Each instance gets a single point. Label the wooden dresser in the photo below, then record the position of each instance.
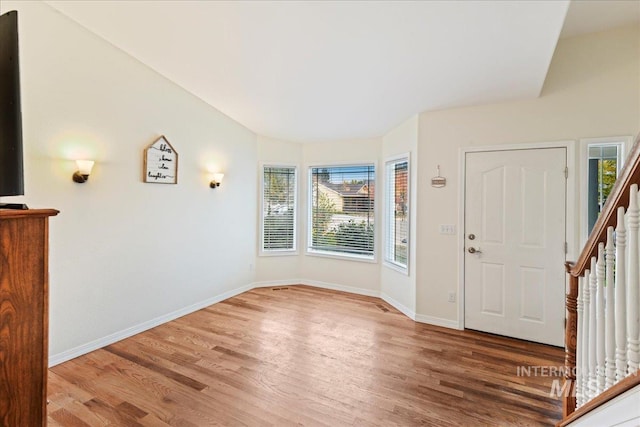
(24, 316)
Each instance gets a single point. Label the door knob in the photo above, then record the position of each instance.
(474, 251)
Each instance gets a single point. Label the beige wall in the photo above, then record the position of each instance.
(125, 254)
(395, 286)
(332, 272)
(363, 276)
(592, 90)
(280, 269)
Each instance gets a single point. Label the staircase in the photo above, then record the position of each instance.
(603, 319)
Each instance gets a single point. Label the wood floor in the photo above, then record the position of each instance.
(305, 356)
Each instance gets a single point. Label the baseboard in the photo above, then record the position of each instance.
(316, 284)
(58, 358)
(343, 288)
(401, 308)
(272, 283)
(437, 321)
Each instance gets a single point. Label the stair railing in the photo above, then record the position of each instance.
(603, 321)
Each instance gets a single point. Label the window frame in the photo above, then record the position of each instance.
(387, 259)
(624, 143)
(341, 255)
(279, 252)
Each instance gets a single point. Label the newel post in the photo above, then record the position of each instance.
(571, 337)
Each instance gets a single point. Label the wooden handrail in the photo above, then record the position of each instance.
(619, 196)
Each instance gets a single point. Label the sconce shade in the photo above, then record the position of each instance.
(83, 172)
(216, 179)
(85, 166)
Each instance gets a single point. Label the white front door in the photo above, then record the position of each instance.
(515, 243)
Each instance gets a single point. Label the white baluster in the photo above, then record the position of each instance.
(600, 344)
(609, 333)
(593, 366)
(621, 305)
(585, 321)
(579, 353)
(633, 282)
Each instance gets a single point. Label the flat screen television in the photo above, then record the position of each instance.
(11, 163)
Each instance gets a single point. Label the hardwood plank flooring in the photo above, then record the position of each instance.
(299, 355)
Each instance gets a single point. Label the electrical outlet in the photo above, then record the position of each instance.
(447, 229)
(250, 267)
(452, 297)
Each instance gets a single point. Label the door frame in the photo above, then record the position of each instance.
(571, 228)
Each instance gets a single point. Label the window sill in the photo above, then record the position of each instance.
(278, 253)
(341, 256)
(393, 266)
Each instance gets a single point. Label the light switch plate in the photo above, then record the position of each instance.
(447, 229)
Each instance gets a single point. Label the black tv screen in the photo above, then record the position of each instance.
(11, 164)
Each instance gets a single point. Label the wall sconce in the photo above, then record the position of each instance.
(83, 172)
(216, 180)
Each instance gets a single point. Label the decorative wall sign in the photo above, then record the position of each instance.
(438, 181)
(161, 162)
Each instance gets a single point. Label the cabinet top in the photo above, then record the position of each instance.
(12, 213)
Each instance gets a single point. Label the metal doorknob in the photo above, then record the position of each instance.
(474, 251)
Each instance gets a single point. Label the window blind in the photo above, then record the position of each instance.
(342, 210)
(278, 209)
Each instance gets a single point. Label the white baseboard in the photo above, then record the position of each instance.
(400, 307)
(343, 288)
(437, 321)
(272, 283)
(316, 284)
(72, 353)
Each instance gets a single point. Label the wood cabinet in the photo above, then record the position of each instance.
(24, 316)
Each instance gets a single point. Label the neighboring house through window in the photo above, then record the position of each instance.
(397, 212)
(341, 211)
(278, 209)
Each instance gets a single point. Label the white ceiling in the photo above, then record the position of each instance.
(313, 71)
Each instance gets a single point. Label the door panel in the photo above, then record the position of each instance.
(493, 205)
(532, 294)
(515, 207)
(493, 289)
(533, 224)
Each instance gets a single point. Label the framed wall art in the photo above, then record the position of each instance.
(160, 162)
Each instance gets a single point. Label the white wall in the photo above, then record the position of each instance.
(621, 411)
(396, 287)
(124, 253)
(358, 275)
(592, 90)
(281, 268)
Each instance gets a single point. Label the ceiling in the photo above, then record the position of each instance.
(314, 71)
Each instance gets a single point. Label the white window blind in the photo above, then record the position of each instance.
(397, 212)
(278, 209)
(341, 220)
